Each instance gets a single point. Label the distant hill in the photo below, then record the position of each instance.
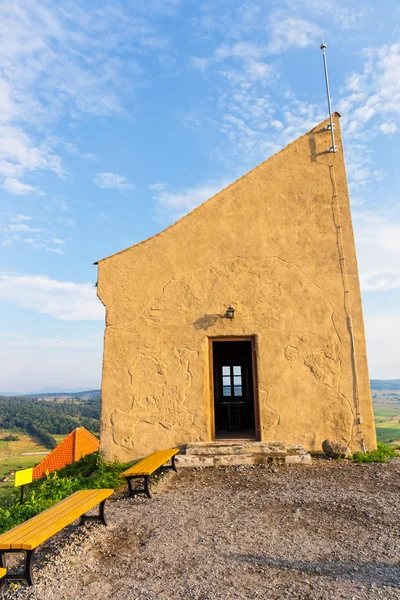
(42, 415)
(376, 384)
(385, 384)
(60, 394)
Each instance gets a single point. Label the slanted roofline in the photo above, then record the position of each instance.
(337, 114)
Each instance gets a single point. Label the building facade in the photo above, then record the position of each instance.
(288, 363)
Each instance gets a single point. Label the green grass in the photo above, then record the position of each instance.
(388, 435)
(10, 457)
(382, 454)
(59, 437)
(88, 473)
(387, 424)
(18, 463)
(386, 412)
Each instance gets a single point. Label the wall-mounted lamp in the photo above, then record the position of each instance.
(230, 312)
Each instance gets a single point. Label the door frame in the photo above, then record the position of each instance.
(234, 338)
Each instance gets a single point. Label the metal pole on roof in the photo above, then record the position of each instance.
(331, 125)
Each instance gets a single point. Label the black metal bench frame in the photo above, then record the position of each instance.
(26, 574)
(145, 489)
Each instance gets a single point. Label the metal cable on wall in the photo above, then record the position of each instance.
(336, 215)
(347, 300)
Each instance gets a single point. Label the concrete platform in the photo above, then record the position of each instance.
(240, 452)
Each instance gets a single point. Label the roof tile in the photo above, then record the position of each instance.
(77, 444)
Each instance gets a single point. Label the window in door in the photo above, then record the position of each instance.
(232, 384)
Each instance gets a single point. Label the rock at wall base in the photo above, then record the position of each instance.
(335, 449)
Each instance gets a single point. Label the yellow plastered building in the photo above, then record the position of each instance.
(288, 363)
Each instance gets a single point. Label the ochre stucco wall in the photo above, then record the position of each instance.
(269, 245)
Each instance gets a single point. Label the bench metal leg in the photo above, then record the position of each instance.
(145, 490)
(130, 488)
(100, 517)
(133, 491)
(146, 486)
(26, 575)
(173, 465)
(28, 567)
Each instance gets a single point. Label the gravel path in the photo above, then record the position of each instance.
(326, 531)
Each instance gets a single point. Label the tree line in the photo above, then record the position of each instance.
(43, 418)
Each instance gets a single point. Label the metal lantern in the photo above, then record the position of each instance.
(230, 312)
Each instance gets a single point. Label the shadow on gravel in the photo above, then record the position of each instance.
(379, 573)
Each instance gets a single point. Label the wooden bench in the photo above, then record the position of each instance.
(146, 467)
(29, 535)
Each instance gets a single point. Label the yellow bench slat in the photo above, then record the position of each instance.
(60, 508)
(40, 535)
(2, 572)
(30, 534)
(151, 463)
(19, 530)
(148, 465)
(16, 536)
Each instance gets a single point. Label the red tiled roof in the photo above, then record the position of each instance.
(77, 444)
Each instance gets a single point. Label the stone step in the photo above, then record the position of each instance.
(233, 447)
(225, 460)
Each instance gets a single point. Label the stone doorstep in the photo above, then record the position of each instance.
(241, 452)
(190, 460)
(234, 442)
(228, 447)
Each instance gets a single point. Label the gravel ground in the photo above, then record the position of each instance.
(326, 531)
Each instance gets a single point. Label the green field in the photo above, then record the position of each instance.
(59, 437)
(385, 413)
(10, 456)
(387, 422)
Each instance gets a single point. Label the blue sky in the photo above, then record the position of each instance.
(118, 118)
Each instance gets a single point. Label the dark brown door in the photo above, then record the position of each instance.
(233, 390)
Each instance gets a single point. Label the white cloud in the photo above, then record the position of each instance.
(21, 227)
(292, 33)
(72, 148)
(18, 340)
(14, 186)
(174, 204)
(112, 181)
(62, 300)
(41, 244)
(378, 250)
(383, 344)
(31, 363)
(20, 217)
(199, 63)
(373, 95)
(62, 205)
(277, 124)
(242, 50)
(16, 230)
(60, 60)
(66, 222)
(251, 126)
(19, 155)
(53, 250)
(388, 128)
(338, 13)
